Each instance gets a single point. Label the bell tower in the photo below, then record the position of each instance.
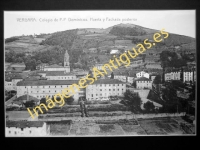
(66, 61)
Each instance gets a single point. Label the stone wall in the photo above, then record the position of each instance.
(123, 116)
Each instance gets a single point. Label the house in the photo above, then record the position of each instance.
(57, 68)
(18, 66)
(143, 82)
(11, 83)
(121, 76)
(41, 66)
(26, 128)
(172, 76)
(114, 51)
(131, 77)
(142, 74)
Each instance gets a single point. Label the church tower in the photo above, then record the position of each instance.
(66, 62)
(66, 59)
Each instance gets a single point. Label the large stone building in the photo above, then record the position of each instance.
(43, 88)
(103, 88)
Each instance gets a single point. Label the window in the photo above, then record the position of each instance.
(31, 86)
(55, 86)
(30, 131)
(15, 132)
(96, 94)
(9, 131)
(22, 129)
(25, 86)
(109, 89)
(92, 95)
(100, 89)
(49, 86)
(113, 89)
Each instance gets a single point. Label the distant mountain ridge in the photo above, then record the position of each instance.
(85, 38)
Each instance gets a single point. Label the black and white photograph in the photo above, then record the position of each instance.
(97, 73)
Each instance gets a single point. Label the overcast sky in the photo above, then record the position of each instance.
(174, 21)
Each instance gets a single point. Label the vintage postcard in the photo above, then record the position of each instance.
(100, 73)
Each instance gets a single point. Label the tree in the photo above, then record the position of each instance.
(43, 100)
(29, 103)
(134, 84)
(69, 100)
(132, 100)
(149, 106)
(38, 62)
(112, 76)
(157, 80)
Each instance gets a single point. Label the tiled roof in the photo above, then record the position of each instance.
(17, 76)
(24, 124)
(24, 97)
(143, 79)
(54, 66)
(58, 73)
(31, 78)
(17, 115)
(46, 82)
(108, 81)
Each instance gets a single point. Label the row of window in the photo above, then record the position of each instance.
(92, 95)
(108, 85)
(56, 86)
(63, 77)
(16, 131)
(144, 81)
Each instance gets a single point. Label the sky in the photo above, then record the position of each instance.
(182, 22)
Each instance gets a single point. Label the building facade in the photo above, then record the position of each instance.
(187, 76)
(172, 76)
(142, 74)
(60, 75)
(26, 128)
(103, 88)
(42, 88)
(143, 82)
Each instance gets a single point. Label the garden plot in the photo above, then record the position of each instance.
(59, 129)
(160, 126)
(133, 130)
(110, 129)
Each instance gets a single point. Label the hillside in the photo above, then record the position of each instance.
(81, 41)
